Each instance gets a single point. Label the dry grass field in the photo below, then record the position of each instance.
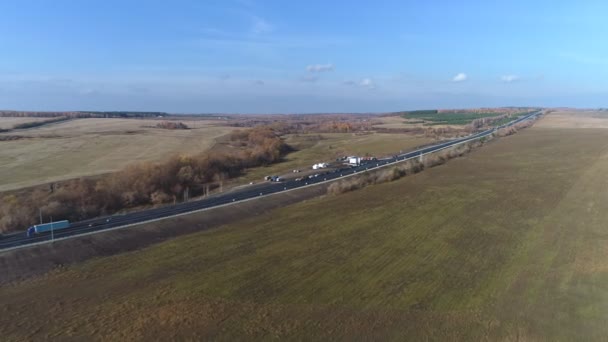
(87, 147)
(8, 122)
(507, 243)
(576, 119)
(399, 122)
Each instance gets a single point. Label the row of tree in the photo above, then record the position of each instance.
(33, 124)
(144, 184)
(486, 122)
(73, 115)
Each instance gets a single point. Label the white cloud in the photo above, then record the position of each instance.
(461, 77)
(367, 83)
(364, 83)
(320, 67)
(261, 26)
(309, 78)
(509, 78)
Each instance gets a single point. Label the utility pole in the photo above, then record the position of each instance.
(40, 212)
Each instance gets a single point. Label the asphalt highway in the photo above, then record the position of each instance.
(115, 221)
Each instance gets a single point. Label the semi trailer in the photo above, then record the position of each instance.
(47, 227)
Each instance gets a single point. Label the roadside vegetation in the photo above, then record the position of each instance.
(414, 166)
(176, 179)
(313, 148)
(406, 168)
(187, 175)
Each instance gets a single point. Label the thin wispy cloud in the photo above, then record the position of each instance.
(260, 26)
(320, 67)
(309, 79)
(510, 78)
(258, 82)
(367, 83)
(461, 77)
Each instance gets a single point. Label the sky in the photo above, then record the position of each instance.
(255, 56)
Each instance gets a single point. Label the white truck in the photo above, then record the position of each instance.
(354, 161)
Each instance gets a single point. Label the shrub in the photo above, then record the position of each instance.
(142, 184)
(411, 166)
(172, 125)
(39, 123)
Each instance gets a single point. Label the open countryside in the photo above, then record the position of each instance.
(418, 256)
(248, 170)
(82, 201)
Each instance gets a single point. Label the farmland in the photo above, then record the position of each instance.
(86, 147)
(455, 119)
(9, 122)
(447, 118)
(507, 243)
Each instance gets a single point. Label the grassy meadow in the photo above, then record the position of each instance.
(507, 243)
(10, 122)
(86, 147)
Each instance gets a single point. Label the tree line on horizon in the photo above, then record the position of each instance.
(81, 114)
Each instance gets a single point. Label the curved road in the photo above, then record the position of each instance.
(18, 240)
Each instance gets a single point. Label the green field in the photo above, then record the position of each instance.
(433, 118)
(507, 243)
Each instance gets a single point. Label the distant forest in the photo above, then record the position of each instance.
(83, 114)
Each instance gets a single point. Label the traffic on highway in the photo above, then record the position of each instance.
(21, 239)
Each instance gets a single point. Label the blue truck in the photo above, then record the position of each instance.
(47, 227)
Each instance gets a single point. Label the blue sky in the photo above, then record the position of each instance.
(254, 56)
